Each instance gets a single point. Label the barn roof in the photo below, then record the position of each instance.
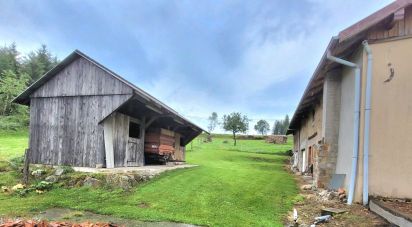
(24, 97)
(342, 45)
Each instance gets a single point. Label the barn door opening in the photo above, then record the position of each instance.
(134, 150)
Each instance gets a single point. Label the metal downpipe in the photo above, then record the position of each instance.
(368, 95)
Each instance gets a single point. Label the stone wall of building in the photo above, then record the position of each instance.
(327, 150)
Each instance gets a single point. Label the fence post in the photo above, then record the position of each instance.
(26, 171)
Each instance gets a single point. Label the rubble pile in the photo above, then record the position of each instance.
(327, 195)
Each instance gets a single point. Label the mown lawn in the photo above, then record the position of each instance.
(232, 186)
(12, 144)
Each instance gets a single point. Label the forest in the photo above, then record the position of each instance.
(17, 71)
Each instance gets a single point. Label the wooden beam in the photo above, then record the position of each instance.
(150, 121)
(155, 109)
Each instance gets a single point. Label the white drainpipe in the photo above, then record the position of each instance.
(355, 124)
(368, 95)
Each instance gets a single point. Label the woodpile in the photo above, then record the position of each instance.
(159, 141)
(276, 139)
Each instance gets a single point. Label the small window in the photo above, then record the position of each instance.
(134, 130)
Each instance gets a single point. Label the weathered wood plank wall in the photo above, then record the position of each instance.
(120, 138)
(402, 27)
(66, 130)
(66, 111)
(82, 77)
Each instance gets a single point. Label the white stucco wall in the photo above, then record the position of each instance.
(345, 147)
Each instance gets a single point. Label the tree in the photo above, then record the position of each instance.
(16, 72)
(262, 127)
(277, 128)
(10, 87)
(235, 123)
(280, 127)
(38, 62)
(213, 121)
(285, 124)
(9, 59)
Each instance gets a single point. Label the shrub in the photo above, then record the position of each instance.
(14, 122)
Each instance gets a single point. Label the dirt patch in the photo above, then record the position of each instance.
(312, 205)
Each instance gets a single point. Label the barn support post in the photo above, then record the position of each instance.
(142, 136)
(108, 141)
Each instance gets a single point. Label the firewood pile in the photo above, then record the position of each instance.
(32, 223)
(160, 141)
(277, 139)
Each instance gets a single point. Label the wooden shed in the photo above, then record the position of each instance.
(83, 114)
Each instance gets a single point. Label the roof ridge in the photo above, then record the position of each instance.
(22, 97)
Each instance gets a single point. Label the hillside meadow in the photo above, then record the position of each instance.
(244, 185)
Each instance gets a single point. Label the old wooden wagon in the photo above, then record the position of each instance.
(83, 114)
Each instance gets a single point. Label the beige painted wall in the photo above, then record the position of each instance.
(390, 159)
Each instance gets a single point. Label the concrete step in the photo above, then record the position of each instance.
(390, 214)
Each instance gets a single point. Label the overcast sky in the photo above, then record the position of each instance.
(253, 57)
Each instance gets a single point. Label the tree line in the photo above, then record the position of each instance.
(238, 123)
(17, 72)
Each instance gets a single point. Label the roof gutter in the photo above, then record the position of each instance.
(356, 115)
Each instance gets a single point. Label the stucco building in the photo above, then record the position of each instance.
(355, 115)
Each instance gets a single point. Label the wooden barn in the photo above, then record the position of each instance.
(82, 114)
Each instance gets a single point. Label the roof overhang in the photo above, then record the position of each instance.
(149, 101)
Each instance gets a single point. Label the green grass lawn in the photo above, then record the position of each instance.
(244, 185)
(12, 144)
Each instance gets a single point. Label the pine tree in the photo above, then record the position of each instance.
(38, 62)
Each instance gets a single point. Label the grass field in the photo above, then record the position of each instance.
(232, 186)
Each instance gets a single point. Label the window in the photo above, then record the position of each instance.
(134, 130)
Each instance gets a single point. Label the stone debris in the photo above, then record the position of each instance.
(306, 187)
(38, 172)
(327, 195)
(17, 187)
(59, 171)
(91, 182)
(52, 179)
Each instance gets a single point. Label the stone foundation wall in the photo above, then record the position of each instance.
(325, 164)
